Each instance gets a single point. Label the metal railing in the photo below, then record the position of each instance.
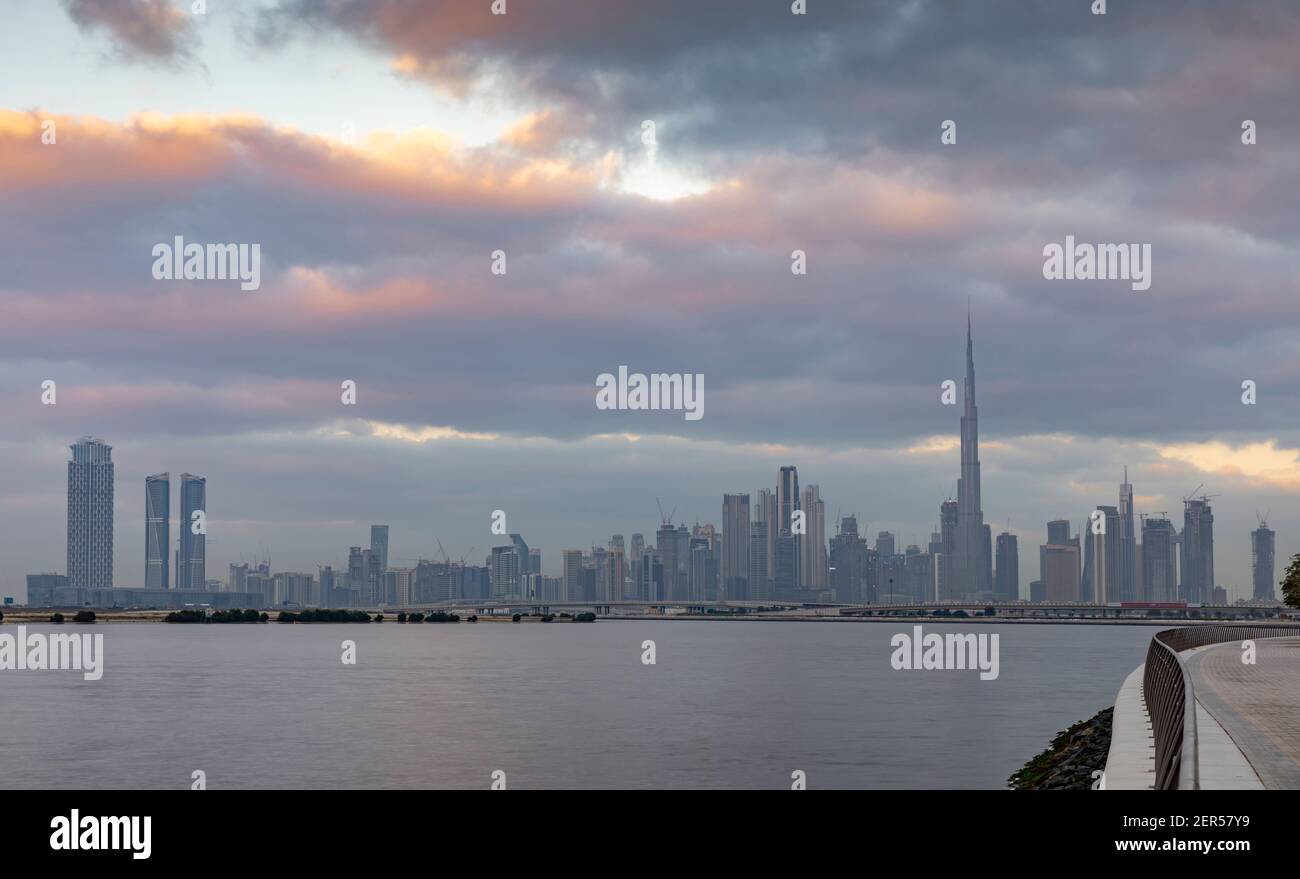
(1171, 700)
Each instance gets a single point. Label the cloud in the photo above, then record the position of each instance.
(1261, 463)
(141, 30)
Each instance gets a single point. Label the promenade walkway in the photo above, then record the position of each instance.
(1257, 706)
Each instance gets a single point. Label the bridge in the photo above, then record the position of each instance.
(1003, 609)
(1210, 711)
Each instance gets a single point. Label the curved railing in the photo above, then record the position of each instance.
(1171, 701)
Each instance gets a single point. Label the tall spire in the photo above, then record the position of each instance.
(970, 366)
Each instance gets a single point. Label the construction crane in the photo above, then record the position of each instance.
(665, 520)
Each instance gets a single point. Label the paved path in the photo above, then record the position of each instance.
(1258, 705)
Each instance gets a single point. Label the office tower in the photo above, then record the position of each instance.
(666, 545)
(1037, 591)
(1061, 574)
(948, 541)
(787, 502)
(812, 545)
(505, 573)
(971, 562)
(1198, 551)
(650, 586)
(682, 557)
(326, 596)
(786, 576)
(1107, 559)
(1008, 570)
(190, 562)
(90, 515)
(379, 545)
(698, 581)
(1058, 534)
(758, 573)
(918, 574)
(617, 573)
(600, 561)
(1128, 575)
(638, 546)
(885, 544)
(157, 535)
(1158, 560)
(735, 547)
(535, 560)
(572, 574)
(767, 512)
(1261, 561)
(848, 563)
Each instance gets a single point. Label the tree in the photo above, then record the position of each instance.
(1291, 582)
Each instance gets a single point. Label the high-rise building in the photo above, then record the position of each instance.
(157, 534)
(848, 563)
(948, 539)
(1060, 582)
(1107, 558)
(786, 576)
(759, 580)
(1008, 569)
(1129, 589)
(1198, 551)
(90, 515)
(379, 545)
(787, 502)
(535, 558)
(191, 559)
(1159, 560)
(1261, 561)
(572, 574)
(666, 544)
(735, 547)
(971, 563)
(767, 511)
(885, 543)
(812, 544)
(505, 573)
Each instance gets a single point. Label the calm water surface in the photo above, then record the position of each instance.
(728, 704)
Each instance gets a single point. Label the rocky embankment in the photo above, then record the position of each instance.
(1069, 763)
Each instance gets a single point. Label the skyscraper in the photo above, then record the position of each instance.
(1106, 556)
(1261, 561)
(948, 546)
(191, 560)
(157, 533)
(787, 501)
(379, 546)
(1008, 571)
(572, 574)
(735, 547)
(812, 544)
(970, 561)
(90, 515)
(1159, 560)
(1198, 551)
(1128, 572)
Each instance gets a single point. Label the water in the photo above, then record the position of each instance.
(728, 704)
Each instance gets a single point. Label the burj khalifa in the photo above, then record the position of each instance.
(970, 564)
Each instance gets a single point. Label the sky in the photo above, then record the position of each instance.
(380, 151)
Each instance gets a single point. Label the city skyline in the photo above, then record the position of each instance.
(786, 528)
(376, 215)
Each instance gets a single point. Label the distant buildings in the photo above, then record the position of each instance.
(1159, 560)
(1198, 551)
(735, 546)
(971, 563)
(90, 515)
(191, 558)
(157, 531)
(1261, 561)
(1008, 568)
